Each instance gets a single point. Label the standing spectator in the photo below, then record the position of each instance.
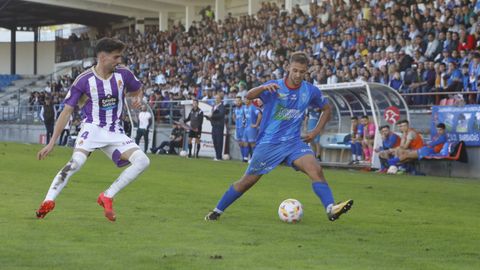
(217, 118)
(66, 132)
(144, 118)
(368, 137)
(47, 114)
(195, 117)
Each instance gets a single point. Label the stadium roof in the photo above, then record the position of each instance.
(28, 14)
(31, 13)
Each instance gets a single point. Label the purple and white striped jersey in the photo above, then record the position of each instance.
(104, 98)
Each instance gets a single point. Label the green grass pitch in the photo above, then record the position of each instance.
(397, 222)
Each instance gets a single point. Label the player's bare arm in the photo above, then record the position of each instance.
(62, 121)
(137, 97)
(322, 121)
(257, 91)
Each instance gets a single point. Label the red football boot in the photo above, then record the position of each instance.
(106, 203)
(45, 207)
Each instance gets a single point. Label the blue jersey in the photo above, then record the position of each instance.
(392, 141)
(251, 115)
(360, 130)
(239, 116)
(284, 110)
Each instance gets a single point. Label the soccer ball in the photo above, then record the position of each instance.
(226, 157)
(183, 153)
(290, 211)
(392, 169)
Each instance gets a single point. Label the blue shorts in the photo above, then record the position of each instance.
(239, 132)
(250, 135)
(311, 125)
(267, 156)
(425, 151)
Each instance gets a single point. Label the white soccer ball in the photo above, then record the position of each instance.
(392, 169)
(183, 153)
(226, 157)
(290, 211)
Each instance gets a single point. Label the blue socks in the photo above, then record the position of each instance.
(393, 161)
(323, 192)
(228, 198)
(244, 150)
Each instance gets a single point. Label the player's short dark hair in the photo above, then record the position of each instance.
(404, 121)
(299, 57)
(384, 126)
(109, 45)
(195, 100)
(354, 118)
(441, 125)
(364, 117)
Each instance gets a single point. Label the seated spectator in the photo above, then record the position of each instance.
(390, 141)
(411, 140)
(396, 82)
(176, 139)
(434, 147)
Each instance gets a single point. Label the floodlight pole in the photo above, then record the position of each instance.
(13, 49)
(35, 50)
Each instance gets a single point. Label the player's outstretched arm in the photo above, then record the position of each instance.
(62, 120)
(257, 91)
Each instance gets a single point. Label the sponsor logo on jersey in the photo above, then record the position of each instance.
(127, 142)
(284, 114)
(109, 102)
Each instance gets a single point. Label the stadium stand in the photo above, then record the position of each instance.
(6, 80)
(415, 49)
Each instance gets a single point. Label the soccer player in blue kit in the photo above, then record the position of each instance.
(279, 140)
(253, 116)
(239, 119)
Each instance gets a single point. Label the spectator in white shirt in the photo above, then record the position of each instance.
(143, 124)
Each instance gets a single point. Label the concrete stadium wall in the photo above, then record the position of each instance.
(24, 57)
(455, 168)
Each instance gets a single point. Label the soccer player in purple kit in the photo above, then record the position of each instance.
(279, 140)
(100, 92)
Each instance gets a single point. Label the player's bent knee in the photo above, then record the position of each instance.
(77, 161)
(139, 160)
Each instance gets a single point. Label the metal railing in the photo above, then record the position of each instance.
(419, 101)
(166, 112)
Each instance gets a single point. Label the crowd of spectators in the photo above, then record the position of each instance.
(415, 47)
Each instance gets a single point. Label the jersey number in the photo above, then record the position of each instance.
(84, 135)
